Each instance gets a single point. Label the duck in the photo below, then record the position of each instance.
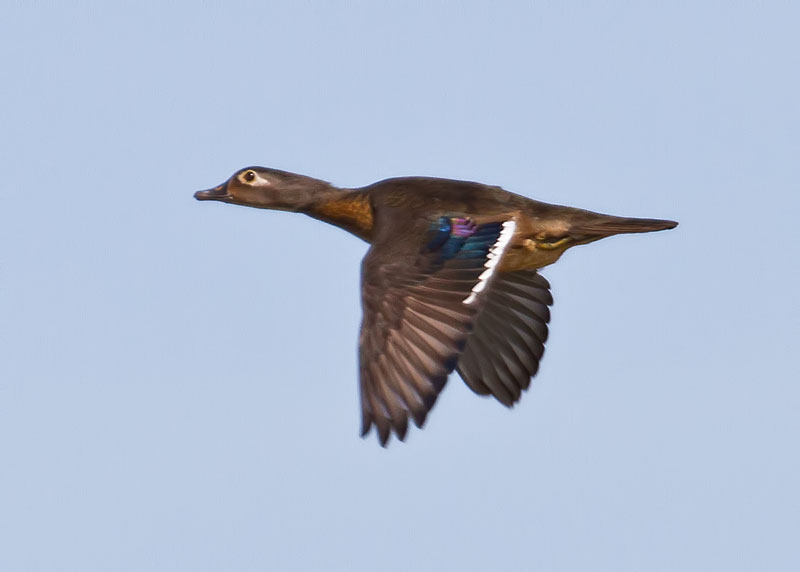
(450, 281)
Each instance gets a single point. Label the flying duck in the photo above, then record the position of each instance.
(450, 280)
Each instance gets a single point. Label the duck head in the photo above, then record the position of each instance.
(266, 189)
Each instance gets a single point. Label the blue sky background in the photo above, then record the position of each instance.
(178, 382)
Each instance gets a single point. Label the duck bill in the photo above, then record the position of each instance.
(219, 193)
(602, 226)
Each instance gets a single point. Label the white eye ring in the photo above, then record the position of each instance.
(249, 176)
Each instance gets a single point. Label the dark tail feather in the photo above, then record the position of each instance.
(604, 225)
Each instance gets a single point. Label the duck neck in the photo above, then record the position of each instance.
(349, 209)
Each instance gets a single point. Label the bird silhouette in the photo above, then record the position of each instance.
(450, 280)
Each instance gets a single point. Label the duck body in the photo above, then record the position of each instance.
(450, 281)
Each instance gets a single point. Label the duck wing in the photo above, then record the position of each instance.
(504, 351)
(422, 288)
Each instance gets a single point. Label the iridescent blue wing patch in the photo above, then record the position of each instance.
(453, 237)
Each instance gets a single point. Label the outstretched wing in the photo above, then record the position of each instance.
(504, 352)
(420, 299)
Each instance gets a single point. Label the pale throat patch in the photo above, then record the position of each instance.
(492, 258)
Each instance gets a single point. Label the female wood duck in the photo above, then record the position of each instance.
(450, 280)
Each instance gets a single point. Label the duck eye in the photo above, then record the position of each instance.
(250, 176)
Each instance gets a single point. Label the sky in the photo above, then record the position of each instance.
(178, 380)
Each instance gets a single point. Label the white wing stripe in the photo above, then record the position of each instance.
(494, 256)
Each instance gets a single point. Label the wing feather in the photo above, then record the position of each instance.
(504, 352)
(420, 302)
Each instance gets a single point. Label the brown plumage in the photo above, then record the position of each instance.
(450, 281)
